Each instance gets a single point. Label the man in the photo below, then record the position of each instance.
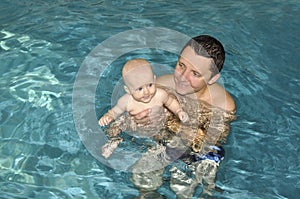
(194, 79)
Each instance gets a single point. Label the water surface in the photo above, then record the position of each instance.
(42, 46)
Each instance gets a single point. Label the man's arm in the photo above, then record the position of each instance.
(217, 129)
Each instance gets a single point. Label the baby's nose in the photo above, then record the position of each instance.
(146, 91)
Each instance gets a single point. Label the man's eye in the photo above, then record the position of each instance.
(196, 74)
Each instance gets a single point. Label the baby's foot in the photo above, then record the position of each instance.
(110, 146)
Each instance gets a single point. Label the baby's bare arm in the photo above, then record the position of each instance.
(173, 105)
(115, 112)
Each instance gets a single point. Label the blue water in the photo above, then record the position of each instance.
(43, 44)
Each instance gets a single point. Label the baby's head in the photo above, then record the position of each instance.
(139, 79)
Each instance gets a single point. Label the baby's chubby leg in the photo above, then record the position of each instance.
(108, 148)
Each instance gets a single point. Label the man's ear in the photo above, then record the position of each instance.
(127, 89)
(213, 79)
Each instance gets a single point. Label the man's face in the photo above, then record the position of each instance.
(192, 72)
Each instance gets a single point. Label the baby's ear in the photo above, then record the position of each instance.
(127, 89)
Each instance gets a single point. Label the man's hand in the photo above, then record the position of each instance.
(149, 116)
(143, 117)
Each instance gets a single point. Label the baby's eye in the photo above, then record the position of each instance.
(139, 89)
(150, 85)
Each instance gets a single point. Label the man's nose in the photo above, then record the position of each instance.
(184, 75)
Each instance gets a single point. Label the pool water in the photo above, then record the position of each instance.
(43, 44)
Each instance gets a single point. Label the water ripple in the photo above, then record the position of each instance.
(36, 87)
(42, 44)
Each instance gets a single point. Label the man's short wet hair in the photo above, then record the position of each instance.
(208, 46)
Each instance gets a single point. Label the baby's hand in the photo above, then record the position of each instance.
(105, 120)
(183, 116)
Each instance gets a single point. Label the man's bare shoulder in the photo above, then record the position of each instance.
(222, 99)
(230, 104)
(166, 81)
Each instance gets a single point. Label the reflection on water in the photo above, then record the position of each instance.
(29, 87)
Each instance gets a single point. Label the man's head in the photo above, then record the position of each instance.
(209, 47)
(139, 80)
(199, 64)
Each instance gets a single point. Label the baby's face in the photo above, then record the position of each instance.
(144, 93)
(140, 81)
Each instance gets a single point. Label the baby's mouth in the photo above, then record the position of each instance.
(147, 97)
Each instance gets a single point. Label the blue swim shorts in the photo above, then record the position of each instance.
(217, 154)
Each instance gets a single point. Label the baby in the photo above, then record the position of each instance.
(141, 94)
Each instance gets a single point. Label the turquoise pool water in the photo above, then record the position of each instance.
(43, 44)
